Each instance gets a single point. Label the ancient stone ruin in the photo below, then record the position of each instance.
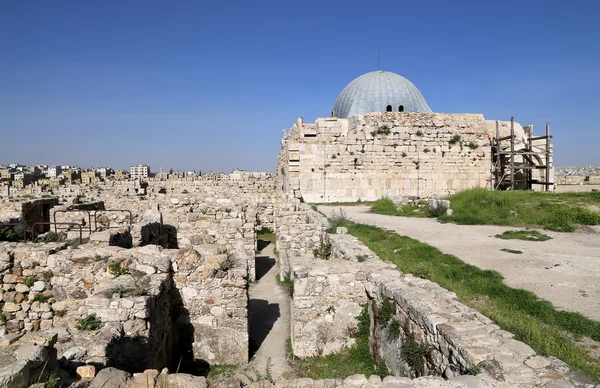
(176, 294)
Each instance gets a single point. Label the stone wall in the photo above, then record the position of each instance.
(370, 156)
(455, 339)
(145, 306)
(211, 309)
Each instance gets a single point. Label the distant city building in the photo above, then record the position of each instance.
(105, 172)
(121, 175)
(54, 172)
(139, 171)
(89, 177)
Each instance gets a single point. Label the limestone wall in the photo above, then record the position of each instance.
(455, 339)
(367, 157)
(212, 310)
(578, 179)
(149, 311)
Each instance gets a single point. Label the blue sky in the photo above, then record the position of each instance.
(209, 85)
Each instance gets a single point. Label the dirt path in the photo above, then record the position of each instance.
(269, 318)
(564, 270)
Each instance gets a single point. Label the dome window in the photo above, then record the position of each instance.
(388, 108)
(401, 108)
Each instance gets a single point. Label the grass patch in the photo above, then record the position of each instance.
(533, 321)
(220, 372)
(357, 203)
(91, 322)
(387, 207)
(558, 212)
(525, 235)
(515, 251)
(264, 238)
(353, 360)
(287, 283)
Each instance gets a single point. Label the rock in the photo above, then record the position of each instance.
(230, 383)
(86, 371)
(438, 206)
(9, 279)
(10, 307)
(14, 326)
(182, 380)
(15, 375)
(39, 286)
(537, 362)
(110, 378)
(356, 380)
(559, 384)
(341, 230)
(47, 339)
(35, 355)
(145, 379)
(76, 353)
(9, 339)
(21, 288)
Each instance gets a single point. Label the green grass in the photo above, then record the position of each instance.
(533, 321)
(526, 235)
(286, 282)
(220, 372)
(515, 251)
(354, 360)
(558, 212)
(266, 234)
(358, 203)
(387, 207)
(90, 322)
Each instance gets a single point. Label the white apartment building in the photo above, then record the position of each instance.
(54, 172)
(139, 171)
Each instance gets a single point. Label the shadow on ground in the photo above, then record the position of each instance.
(263, 265)
(262, 315)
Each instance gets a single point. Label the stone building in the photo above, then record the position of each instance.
(383, 140)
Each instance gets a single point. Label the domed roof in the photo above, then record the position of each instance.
(379, 91)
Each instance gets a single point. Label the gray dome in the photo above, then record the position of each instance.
(377, 91)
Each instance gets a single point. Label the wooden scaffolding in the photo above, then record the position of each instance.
(518, 164)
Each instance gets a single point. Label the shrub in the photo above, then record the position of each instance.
(361, 258)
(286, 282)
(413, 353)
(404, 154)
(472, 145)
(60, 313)
(393, 329)
(516, 252)
(336, 219)
(526, 235)
(116, 269)
(91, 322)
(51, 237)
(323, 251)
(384, 206)
(30, 280)
(419, 133)
(455, 139)
(75, 243)
(47, 275)
(227, 264)
(387, 311)
(41, 298)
